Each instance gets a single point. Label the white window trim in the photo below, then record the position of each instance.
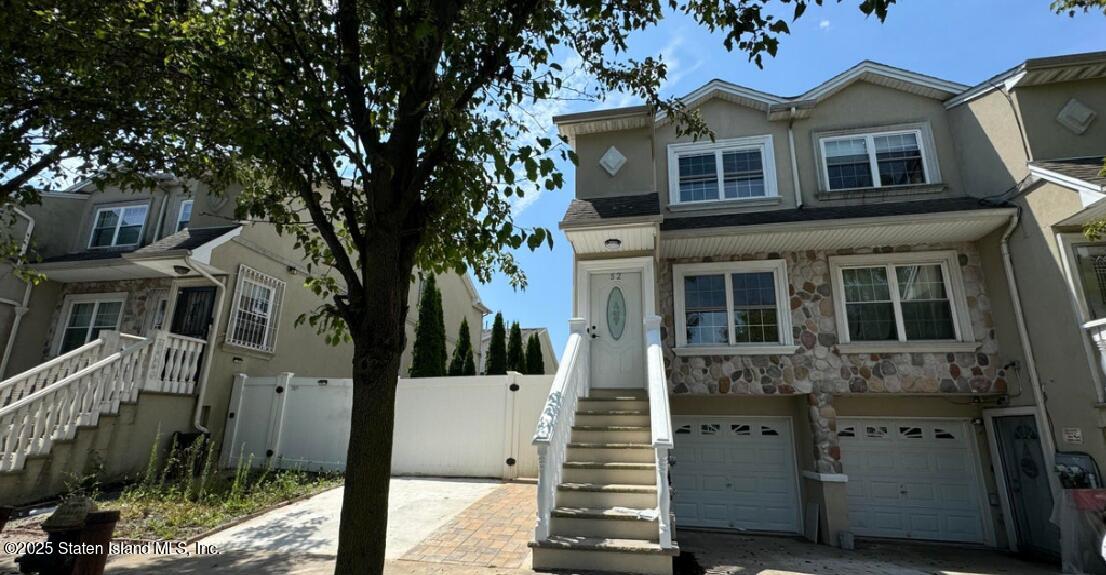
(180, 215)
(276, 305)
(954, 287)
(119, 224)
(928, 167)
(67, 308)
(783, 308)
(768, 163)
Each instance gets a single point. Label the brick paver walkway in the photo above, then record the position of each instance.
(492, 532)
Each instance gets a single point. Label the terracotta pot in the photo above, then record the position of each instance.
(98, 527)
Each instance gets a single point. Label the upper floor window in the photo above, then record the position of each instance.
(736, 169)
(118, 226)
(184, 214)
(257, 300)
(900, 298)
(1090, 269)
(876, 160)
(732, 305)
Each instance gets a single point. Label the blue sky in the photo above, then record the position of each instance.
(965, 41)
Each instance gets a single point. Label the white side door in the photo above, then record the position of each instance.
(735, 473)
(912, 479)
(617, 345)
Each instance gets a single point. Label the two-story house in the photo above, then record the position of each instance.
(153, 301)
(810, 322)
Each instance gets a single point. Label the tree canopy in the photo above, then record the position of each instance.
(516, 354)
(497, 348)
(535, 363)
(461, 362)
(428, 353)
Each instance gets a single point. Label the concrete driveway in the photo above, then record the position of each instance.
(416, 507)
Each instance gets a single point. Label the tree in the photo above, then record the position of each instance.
(1073, 6)
(385, 136)
(535, 363)
(516, 355)
(428, 356)
(461, 362)
(497, 348)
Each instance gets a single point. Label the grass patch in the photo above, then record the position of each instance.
(185, 495)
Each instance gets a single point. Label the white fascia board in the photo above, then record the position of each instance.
(1065, 180)
(203, 253)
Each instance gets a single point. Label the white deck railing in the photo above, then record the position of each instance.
(660, 422)
(124, 365)
(44, 374)
(555, 423)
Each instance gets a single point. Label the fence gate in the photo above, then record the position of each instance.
(471, 426)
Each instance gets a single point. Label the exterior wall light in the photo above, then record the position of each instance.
(612, 244)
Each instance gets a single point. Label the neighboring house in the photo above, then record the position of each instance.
(459, 300)
(820, 298)
(154, 301)
(549, 357)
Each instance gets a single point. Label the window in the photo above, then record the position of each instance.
(257, 300)
(184, 214)
(738, 305)
(875, 160)
(737, 169)
(118, 226)
(1090, 266)
(85, 316)
(900, 298)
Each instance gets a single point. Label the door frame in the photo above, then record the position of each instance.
(989, 416)
(586, 268)
(794, 450)
(977, 462)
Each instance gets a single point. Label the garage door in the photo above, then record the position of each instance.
(735, 473)
(912, 478)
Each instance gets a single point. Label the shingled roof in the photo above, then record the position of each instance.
(1087, 169)
(604, 210)
(186, 239)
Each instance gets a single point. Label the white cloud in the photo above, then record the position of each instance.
(824, 25)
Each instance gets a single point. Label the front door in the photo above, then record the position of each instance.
(617, 346)
(192, 313)
(1027, 488)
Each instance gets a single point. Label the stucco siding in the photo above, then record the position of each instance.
(635, 176)
(989, 144)
(1039, 106)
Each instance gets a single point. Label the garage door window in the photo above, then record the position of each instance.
(734, 307)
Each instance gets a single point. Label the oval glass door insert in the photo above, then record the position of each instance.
(616, 313)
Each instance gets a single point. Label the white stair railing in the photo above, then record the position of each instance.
(44, 374)
(660, 421)
(124, 365)
(555, 423)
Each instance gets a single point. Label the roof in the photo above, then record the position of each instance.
(1037, 71)
(868, 71)
(486, 335)
(1084, 172)
(594, 210)
(827, 213)
(187, 239)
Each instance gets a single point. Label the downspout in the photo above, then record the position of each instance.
(1048, 443)
(20, 308)
(222, 290)
(794, 164)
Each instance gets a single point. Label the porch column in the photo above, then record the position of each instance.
(826, 483)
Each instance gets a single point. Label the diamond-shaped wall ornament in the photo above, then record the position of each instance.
(612, 160)
(1076, 116)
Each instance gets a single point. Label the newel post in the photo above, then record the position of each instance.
(579, 326)
(111, 344)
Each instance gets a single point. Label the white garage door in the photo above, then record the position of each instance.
(912, 478)
(734, 472)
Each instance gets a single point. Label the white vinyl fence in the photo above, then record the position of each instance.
(472, 426)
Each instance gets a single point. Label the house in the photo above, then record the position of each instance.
(153, 302)
(845, 314)
(549, 357)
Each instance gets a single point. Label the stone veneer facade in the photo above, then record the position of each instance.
(818, 369)
(142, 295)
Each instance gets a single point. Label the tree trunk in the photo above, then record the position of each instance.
(376, 324)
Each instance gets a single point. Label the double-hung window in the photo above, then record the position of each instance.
(875, 160)
(900, 298)
(739, 169)
(85, 316)
(118, 226)
(740, 306)
(257, 301)
(184, 214)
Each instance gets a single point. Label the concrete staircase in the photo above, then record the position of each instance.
(605, 514)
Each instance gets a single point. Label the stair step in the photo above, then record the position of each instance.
(611, 427)
(610, 412)
(609, 465)
(615, 513)
(595, 445)
(608, 487)
(600, 392)
(613, 398)
(638, 546)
